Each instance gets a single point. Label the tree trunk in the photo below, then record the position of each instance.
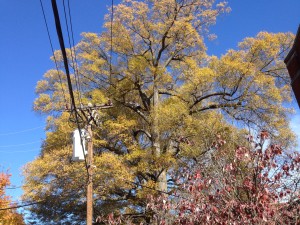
(162, 179)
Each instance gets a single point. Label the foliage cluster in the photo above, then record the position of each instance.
(10, 216)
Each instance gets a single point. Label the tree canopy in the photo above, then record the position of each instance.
(171, 100)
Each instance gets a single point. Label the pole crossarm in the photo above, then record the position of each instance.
(90, 106)
(89, 112)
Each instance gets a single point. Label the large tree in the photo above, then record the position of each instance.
(170, 100)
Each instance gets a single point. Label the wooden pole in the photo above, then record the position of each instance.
(89, 205)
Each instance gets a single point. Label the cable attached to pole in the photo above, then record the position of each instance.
(73, 43)
(20, 131)
(65, 59)
(52, 49)
(73, 57)
(111, 41)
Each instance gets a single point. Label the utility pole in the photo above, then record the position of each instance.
(89, 197)
(91, 116)
(89, 112)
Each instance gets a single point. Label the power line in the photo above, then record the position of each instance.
(27, 150)
(63, 50)
(71, 51)
(76, 71)
(21, 131)
(25, 204)
(29, 143)
(22, 205)
(38, 202)
(32, 150)
(125, 180)
(52, 49)
(14, 187)
(111, 40)
(71, 26)
(73, 42)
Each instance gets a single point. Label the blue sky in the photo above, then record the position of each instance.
(25, 53)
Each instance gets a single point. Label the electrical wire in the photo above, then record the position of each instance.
(32, 150)
(25, 204)
(62, 46)
(74, 65)
(76, 71)
(29, 143)
(21, 131)
(52, 49)
(27, 150)
(111, 40)
(14, 187)
(144, 186)
(73, 42)
(123, 179)
(21, 205)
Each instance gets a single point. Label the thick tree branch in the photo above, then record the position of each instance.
(208, 96)
(144, 98)
(164, 92)
(136, 108)
(165, 35)
(217, 106)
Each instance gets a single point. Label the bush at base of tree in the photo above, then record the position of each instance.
(257, 184)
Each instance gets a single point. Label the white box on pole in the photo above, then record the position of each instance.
(77, 146)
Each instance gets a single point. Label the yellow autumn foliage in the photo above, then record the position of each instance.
(170, 103)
